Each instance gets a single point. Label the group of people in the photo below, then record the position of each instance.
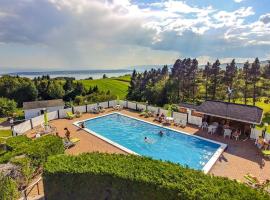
(148, 140)
(160, 117)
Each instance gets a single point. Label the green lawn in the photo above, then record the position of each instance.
(118, 86)
(5, 133)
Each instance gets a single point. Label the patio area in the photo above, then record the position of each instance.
(240, 158)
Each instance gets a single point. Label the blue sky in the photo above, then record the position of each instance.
(86, 34)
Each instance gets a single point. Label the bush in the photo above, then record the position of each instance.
(37, 150)
(111, 176)
(8, 189)
(7, 107)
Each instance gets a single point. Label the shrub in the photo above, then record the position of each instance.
(7, 107)
(37, 150)
(111, 176)
(8, 189)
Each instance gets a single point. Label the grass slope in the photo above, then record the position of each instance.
(118, 86)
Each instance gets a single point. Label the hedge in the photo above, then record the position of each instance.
(37, 150)
(8, 188)
(111, 176)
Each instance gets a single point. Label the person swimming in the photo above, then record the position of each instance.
(148, 140)
(161, 133)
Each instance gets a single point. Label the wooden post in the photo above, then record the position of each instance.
(136, 107)
(58, 114)
(86, 108)
(31, 123)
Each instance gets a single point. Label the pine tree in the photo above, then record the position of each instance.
(254, 76)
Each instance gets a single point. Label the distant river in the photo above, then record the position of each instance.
(80, 74)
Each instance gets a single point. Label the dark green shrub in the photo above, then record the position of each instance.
(107, 176)
(37, 150)
(43, 147)
(8, 188)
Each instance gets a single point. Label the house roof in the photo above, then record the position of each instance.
(233, 111)
(43, 104)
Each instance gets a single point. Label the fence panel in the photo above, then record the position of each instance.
(81, 109)
(195, 120)
(179, 116)
(165, 112)
(36, 121)
(123, 103)
(141, 107)
(112, 103)
(131, 105)
(63, 112)
(152, 109)
(53, 115)
(104, 104)
(90, 107)
(21, 128)
(255, 133)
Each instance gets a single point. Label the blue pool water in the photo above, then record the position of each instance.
(172, 146)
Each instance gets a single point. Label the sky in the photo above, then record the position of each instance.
(42, 35)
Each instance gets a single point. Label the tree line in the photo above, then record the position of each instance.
(19, 89)
(187, 82)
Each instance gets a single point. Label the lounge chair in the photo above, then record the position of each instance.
(118, 107)
(101, 109)
(70, 143)
(254, 182)
(266, 153)
(94, 110)
(183, 123)
(70, 115)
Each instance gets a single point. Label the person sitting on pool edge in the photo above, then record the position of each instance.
(67, 134)
(82, 125)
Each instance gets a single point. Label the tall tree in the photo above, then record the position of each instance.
(254, 76)
(215, 77)
(246, 73)
(194, 68)
(206, 75)
(230, 74)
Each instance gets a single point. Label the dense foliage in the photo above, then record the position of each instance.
(37, 150)
(7, 107)
(111, 176)
(8, 188)
(186, 82)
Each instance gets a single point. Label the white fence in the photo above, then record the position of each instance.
(53, 115)
(180, 116)
(30, 124)
(81, 109)
(36, 121)
(132, 105)
(141, 107)
(152, 109)
(21, 128)
(63, 112)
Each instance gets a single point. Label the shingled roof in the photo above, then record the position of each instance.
(233, 111)
(43, 104)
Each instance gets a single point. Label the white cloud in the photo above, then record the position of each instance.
(120, 32)
(238, 1)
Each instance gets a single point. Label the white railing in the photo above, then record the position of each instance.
(123, 103)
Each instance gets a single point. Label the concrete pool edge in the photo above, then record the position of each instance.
(207, 167)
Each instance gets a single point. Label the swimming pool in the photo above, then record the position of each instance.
(129, 134)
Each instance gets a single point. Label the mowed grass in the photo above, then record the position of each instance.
(118, 85)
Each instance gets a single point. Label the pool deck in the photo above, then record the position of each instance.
(240, 158)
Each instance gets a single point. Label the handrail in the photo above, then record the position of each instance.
(25, 193)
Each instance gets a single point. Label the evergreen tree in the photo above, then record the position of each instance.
(246, 73)
(230, 74)
(214, 78)
(254, 76)
(206, 75)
